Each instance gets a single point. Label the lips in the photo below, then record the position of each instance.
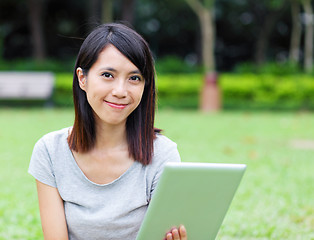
(116, 105)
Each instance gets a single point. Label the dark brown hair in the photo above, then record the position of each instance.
(140, 123)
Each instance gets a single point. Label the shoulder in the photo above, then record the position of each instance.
(163, 144)
(165, 150)
(47, 153)
(53, 140)
(55, 136)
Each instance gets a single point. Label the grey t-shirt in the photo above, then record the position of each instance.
(110, 211)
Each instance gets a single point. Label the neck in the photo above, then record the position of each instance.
(110, 136)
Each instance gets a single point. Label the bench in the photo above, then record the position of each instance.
(26, 86)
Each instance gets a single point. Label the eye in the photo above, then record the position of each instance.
(107, 75)
(136, 78)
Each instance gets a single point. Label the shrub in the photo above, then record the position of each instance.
(267, 91)
(63, 90)
(33, 65)
(174, 64)
(273, 68)
(245, 91)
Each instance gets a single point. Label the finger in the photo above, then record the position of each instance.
(175, 234)
(169, 236)
(182, 232)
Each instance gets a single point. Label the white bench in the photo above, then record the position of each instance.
(26, 85)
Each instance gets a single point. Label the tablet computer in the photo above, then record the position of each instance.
(196, 195)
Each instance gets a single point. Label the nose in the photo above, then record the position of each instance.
(119, 89)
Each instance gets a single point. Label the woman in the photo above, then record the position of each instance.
(95, 180)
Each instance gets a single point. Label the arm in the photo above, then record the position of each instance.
(51, 212)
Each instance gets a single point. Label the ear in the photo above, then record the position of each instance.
(81, 78)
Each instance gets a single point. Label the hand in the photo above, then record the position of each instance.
(177, 234)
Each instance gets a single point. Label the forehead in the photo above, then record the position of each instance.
(111, 57)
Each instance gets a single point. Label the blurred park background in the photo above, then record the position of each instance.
(235, 85)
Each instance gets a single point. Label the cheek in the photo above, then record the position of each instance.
(140, 94)
(94, 89)
(93, 97)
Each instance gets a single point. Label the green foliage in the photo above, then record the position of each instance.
(209, 4)
(179, 90)
(273, 68)
(246, 91)
(265, 91)
(63, 90)
(275, 4)
(239, 91)
(174, 64)
(32, 65)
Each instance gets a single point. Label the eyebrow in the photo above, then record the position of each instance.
(114, 70)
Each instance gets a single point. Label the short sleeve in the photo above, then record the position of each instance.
(166, 153)
(40, 166)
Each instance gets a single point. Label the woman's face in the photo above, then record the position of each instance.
(114, 86)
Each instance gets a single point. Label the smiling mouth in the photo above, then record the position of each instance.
(116, 105)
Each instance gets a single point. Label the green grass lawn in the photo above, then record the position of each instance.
(274, 201)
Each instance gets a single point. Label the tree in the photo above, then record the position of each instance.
(205, 13)
(128, 11)
(94, 7)
(308, 39)
(210, 96)
(107, 11)
(35, 8)
(296, 32)
(269, 12)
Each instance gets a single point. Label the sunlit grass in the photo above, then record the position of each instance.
(274, 200)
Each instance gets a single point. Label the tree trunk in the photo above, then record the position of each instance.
(35, 8)
(263, 37)
(107, 11)
(266, 30)
(128, 10)
(206, 19)
(296, 32)
(94, 12)
(308, 44)
(208, 36)
(210, 99)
